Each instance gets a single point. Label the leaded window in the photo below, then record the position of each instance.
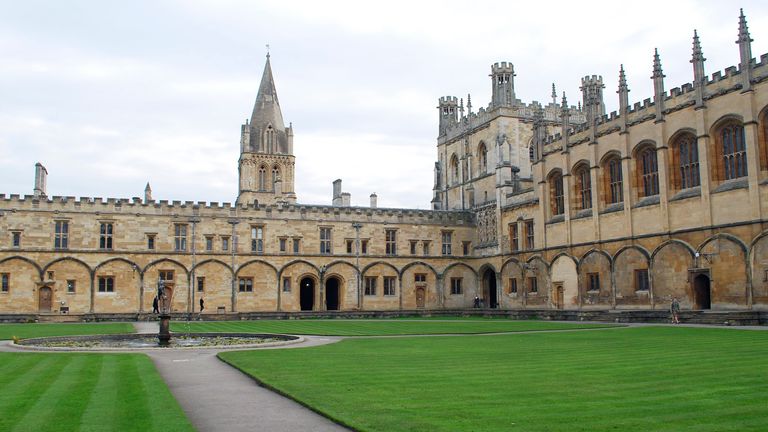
(734, 151)
(650, 172)
(688, 151)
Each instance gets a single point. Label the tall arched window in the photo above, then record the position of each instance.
(686, 154)
(482, 155)
(454, 169)
(557, 197)
(648, 168)
(262, 178)
(275, 175)
(269, 139)
(584, 187)
(614, 181)
(733, 150)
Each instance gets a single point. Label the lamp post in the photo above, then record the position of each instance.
(357, 227)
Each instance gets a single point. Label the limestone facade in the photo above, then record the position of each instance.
(539, 206)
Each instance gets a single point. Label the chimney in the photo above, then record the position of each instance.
(374, 200)
(337, 193)
(41, 178)
(346, 199)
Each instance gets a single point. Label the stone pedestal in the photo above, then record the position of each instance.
(164, 336)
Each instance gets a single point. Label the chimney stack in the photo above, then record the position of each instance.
(374, 200)
(147, 193)
(41, 178)
(337, 193)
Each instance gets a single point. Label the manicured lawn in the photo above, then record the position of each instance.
(85, 392)
(628, 379)
(342, 327)
(7, 331)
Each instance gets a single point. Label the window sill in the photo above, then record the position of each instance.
(613, 208)
(642, 292)
(582, 214)
(728, 185)
(556, 219)
(647, 201)
(687, 193)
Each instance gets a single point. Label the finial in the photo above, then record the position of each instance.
(622, 80)
(554, 94)
(743, 30)
(469, 103)
(564, 102)
(698, 55)
(657, 72)
(579, 106)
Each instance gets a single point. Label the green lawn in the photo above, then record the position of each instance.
(352, 327)
(24, 331)
(629, 379)
(85, 392)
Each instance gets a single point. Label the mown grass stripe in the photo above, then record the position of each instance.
(21, 393)
(32, 330)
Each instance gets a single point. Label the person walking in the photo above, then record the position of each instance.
(674, 308)
(202, 303)
(154, 306)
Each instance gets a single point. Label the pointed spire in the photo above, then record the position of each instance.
(147, 193)
(697, 59)
(564, 103)
(745, 52)
(622, 80)
(554, 95)
(565, 122)
(469, 104)
(657, 72)
(623, 92)
(461, 108)
(266, 110)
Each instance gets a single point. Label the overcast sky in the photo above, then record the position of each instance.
(111, 94)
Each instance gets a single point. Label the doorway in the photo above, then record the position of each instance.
(420, 294)
(46, 299)
(307, 294)
(559, 296)
(702, 292)
(332, 294)
(491, 296)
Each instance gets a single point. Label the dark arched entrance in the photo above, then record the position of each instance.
(701, 292)
(332, 294)
(307, 294)
(46, 299)
(489, 282)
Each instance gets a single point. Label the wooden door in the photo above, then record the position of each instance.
(46, 299)
(420, 294)
(559, 296)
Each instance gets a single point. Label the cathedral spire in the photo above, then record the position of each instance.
(266, 110)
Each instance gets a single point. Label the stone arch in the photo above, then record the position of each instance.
(460, 275)
(340, 263)
(642, 145)
(565, 282)
(457, 264)
(24, 275)
(216, 285)
(595, 276)
(180, 292)
(67, 258)
(536, 271)
(375, 263)
(630, 270)
(429, 286)
(670, 262)
(295, 271)
(512, 284)
(348, 276)
(72, 283)
(719, 170)
(758, 262)
(128, 290)
(725, 256)
(379, 301)
(415, 263)
(127, 261)
(610, 154)
(162, 260)
(263, 296)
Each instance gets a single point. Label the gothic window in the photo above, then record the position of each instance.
(61, 238)
(269, 139)
(262, 178)
(257, 239)
(584, 187)
(734, 151)
(530, 151)
(613, 181)
(391, 242)
(454, 170)
(686, 157)
(648, 168)
(447, 242)
(529, 233)
(557, 198)
(245, 284)
(325, 241)
(105, 236)
(180, 237)
(482, 155)
(514, 240)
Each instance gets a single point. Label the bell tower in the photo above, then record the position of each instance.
(266, 165)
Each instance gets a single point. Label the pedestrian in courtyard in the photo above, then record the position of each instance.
(201, 305)
(476, 303)
(154, 305)
(675, 309)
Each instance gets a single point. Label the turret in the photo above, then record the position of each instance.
(658, 86)
(448, 108)
(147, 193)
(592, 97)
(745, 52)
(697, 59)
(502, 84)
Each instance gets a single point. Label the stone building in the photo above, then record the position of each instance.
(535, 206)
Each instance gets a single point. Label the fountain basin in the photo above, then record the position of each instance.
(147, 341)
